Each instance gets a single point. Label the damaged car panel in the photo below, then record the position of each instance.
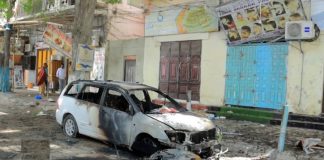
(184, 121)
(137, 116)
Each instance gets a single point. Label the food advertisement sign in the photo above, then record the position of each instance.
(251, 20)
(85, 58)
(187, 19)
(57, 39)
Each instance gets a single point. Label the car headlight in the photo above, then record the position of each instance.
(176, 136)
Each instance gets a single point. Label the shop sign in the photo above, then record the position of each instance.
(85, 58)
(251, 20)
(57, 39)
(181, 20)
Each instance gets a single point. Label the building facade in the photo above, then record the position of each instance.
(264, 74)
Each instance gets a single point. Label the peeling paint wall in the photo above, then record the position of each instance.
(305, 79)
(213, 62)
(116, 54)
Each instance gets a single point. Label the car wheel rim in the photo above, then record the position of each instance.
(69, 127)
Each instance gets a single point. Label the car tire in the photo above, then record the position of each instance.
(70, 127)
(146, 146)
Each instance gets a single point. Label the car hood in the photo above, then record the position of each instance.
(187, 121)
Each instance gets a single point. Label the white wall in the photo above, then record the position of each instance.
(116, 58)
(305, 88)
(213, 62)
(305, 77)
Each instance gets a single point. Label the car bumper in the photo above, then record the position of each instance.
(59, 116)
(194, 147)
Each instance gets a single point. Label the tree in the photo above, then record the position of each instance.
(6, 7)
(6, 11)
(82, 28)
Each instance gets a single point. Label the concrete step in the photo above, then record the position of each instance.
(300, 124)
(268, 116)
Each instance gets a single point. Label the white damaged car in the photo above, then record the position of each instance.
(133, 115)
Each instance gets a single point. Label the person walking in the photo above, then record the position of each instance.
(60, 74)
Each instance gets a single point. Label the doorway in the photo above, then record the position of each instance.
(130, 69)
(44, 56)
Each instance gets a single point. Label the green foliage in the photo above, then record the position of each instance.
(4, 4)
(6, 8)
(27, 5)
(31, 6)
(112, 1)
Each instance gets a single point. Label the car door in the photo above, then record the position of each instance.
(88, 105)
(115, 117)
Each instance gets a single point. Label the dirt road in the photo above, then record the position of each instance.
(19, 121)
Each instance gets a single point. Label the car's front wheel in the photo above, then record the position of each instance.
(70, 127)
(146, 145)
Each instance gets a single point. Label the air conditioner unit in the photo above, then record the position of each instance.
(299, 30)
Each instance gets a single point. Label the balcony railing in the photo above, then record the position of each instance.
(39, 6)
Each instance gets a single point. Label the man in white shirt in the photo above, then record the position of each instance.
(60, 74)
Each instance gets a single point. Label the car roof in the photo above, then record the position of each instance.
(125, 85)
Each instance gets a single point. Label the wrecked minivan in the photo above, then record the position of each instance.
(133, 115)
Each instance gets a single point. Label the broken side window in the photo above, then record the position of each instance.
(91, 94)
(139, 98)
(116, 100)
(73, 90)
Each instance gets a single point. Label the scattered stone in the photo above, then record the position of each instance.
(7, 155)
(71, 142)
(41, 113)
(51, 100)
(174, 154)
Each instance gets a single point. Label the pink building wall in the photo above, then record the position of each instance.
(126, 22)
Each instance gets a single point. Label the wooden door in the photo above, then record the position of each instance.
(180, 69)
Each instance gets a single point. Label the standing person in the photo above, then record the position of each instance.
(60, 74)
(42, 79)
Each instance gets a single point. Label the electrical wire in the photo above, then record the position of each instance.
(301, 74)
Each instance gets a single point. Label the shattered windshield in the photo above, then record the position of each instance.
(154, 102)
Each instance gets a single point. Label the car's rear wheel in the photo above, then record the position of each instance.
(70, 127)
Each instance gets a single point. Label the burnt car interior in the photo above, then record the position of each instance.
(91, 94)
(116, 101)
(148, 102)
